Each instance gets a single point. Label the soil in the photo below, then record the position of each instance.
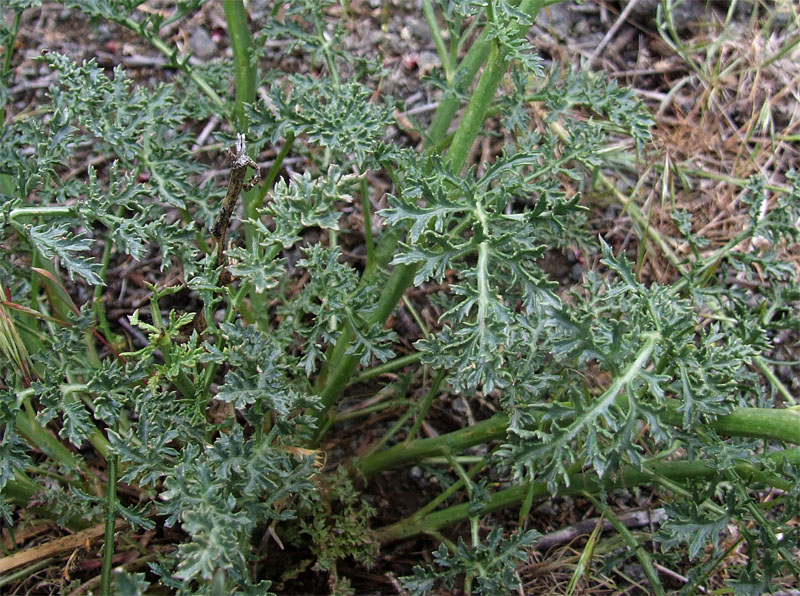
(635, 54)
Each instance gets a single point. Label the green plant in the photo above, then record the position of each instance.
(217, 419)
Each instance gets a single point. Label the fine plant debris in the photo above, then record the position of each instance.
(373, 297)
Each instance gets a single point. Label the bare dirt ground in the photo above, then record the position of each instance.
(724, 94)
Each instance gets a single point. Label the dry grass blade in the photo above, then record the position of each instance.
(54, 547)
(11, 345)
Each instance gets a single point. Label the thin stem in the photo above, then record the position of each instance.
(97, 298)
(451, 490)
(111, 516)
(426, 405)
(436, 34)
(387, 436)
(633, 544)
(12, 37)
(386, 367)
(416, 316)
(709, 567)
(172, 54)
(774, 380)
(366, 212)
(378, 407)
(274, 170)
(578, 483)
(20, 574)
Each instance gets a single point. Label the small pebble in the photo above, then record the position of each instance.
(201, 44)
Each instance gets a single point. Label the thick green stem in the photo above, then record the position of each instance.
(578, 483)
(28, 426)
(402, 453)
(342, 365)
(758, 423)
(475, 113)
(54, 210)
(245, 84)
(21, 489)
(448, 105)
(41, 438)
(244, 73)
(484, 93)
(345, 364)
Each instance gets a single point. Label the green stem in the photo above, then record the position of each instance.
(26, 422)
(274, 170)
(366, 411)
(341, 365)
(441, 49)
(21, 489)
(710, 566)
(387, 367)
(477, 107)
(484, 93)
(42, 439)
(97, 299)
(172, 54)
(448, 105)
(487, 430)
(759, 423)
(387, 436)
(245, 90)
(731, 179)
(25, 572)
(426, 405)
(578, 483)
(182, 381)
(9, 51)
(345, 364)
(366, 212)
(774, 380)
(244, 72)
(111, 515)
(55, 210)
(452, 489)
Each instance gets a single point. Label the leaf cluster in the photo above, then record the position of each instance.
(215, 402)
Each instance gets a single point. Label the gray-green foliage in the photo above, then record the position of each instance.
(492, 564)
(213, 414)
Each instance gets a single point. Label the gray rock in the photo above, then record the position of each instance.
(557, 20)
(201, 44)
